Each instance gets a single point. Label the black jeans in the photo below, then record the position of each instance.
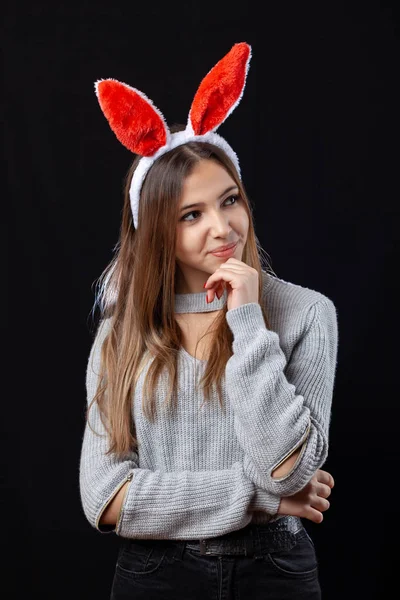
(167, 570)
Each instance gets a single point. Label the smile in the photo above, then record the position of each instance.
(225, 250)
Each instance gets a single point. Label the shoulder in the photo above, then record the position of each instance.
(277, 293)
(102, 330)
(292, 308)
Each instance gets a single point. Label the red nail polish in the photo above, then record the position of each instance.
(205, 284)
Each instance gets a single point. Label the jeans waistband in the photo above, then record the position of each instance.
(280, 534)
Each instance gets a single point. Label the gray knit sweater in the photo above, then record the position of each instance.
(205, 470)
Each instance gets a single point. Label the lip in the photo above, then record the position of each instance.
(222, 250)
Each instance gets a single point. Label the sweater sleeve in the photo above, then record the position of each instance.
(166, 505)
(280, 405)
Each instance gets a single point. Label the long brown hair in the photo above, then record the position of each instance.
(136, 293)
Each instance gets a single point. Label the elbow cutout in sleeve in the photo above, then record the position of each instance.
(302, 442)
(108, 528)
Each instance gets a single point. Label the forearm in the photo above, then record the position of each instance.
(271, 417)
(111, 513)
(280, 407)
(137, 502)
(113, 510)
(286, 466)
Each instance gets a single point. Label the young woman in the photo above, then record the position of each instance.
(210, 380)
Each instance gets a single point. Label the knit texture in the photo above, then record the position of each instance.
(205, 470)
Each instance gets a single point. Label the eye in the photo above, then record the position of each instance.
(234, 197)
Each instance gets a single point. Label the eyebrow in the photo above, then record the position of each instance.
(229, 189)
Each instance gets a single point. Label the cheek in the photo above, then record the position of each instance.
(186, 244)
(245, 222)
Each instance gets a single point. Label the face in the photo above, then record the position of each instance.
(218, 218)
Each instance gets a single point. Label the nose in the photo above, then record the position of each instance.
(219, 224)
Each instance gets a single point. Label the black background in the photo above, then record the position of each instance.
(317, 137)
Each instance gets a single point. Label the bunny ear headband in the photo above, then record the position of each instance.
(141, 127)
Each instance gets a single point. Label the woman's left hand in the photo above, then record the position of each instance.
(240, 281)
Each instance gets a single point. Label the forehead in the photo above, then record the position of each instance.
(208, 178)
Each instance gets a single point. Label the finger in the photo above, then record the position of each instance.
(212, 292)
(220, 290)
(220, 274)
(237, 268)
(217, 290)
(216, 282)
(321, 504)
(325, 477)
(324, 491)
(212, 286)
(314, 515)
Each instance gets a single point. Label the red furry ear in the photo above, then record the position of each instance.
(136, 122)
(221, 90)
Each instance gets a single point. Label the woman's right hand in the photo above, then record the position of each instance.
(311, 501)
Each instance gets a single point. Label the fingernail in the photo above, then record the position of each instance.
(205, 284)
